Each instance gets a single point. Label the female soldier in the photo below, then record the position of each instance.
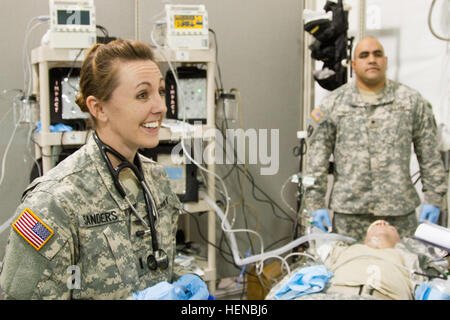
(101, 224)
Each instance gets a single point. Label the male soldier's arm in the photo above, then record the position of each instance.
(433, 176)
(320, 145)
(38, 274)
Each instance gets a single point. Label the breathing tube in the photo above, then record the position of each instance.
(273, 253)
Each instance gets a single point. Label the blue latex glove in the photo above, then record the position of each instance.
(60, 127)
(427, 292)
(193, 286)
(430, 213)
(319, 217)
(305, 281)
(160, 291)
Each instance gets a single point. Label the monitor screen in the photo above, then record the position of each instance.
(188, 21)
(73, 17)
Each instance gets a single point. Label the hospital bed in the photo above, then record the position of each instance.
(426, 260)
(417, 256)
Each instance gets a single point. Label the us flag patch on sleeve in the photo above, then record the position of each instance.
(32, 229)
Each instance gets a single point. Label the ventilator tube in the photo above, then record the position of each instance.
(255, 258)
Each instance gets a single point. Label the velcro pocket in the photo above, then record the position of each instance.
(122, 252)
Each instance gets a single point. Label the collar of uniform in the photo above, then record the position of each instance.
(386, 95)
(102, 169)
(149, 171)
(152, 174)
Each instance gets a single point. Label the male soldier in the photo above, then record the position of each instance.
(369, 125)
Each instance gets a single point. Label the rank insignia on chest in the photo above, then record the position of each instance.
(32, 229)
(316, 114)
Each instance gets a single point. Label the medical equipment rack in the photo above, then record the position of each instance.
(43, 58)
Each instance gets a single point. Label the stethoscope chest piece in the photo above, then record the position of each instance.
(158, 259)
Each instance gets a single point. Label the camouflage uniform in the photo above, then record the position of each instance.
(371, 145)
(94, 230)
(356, 225)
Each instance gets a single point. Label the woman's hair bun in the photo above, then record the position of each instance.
(81, 102)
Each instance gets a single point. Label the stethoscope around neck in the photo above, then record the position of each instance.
(159, 257)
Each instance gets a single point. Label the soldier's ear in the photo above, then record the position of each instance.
(96, 108)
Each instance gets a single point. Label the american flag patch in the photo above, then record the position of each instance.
(317, 114)
(32, 229)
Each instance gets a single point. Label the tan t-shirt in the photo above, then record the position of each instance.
(360, 264)
(370, 97)
(129, 181)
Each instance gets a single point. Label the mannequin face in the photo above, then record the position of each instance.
(381, 234)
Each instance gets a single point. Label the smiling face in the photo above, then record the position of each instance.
(130, 119)
(370, 64)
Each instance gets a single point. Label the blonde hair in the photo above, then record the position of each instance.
(98, 75)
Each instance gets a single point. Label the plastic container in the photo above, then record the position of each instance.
(437, 289)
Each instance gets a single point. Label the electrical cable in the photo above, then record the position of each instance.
(69, 73)
(29, 138)
(244, 215)
(26, 60)
(221, 252)
(227, 198)
(186, 153)
(217, 58)
(271, 202)
(7, 224)
(2, 176)
(219, 248)
(5, 114)
(282, 195)
(193, 215)
(430, 25)
(235, 165)
(249, 176)
(222, 130)
(103, 30)
(241, 184)
(27, 70)
(260, 258)
(224, 224)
